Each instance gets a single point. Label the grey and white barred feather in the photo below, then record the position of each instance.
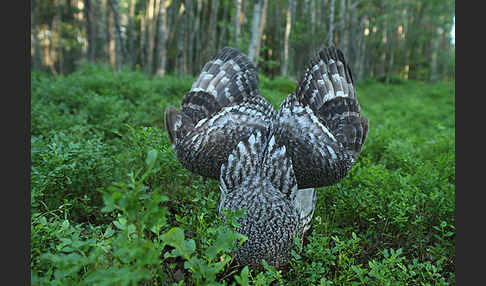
(259, 178)
(267, 162)
(321, 123)
(222, 108)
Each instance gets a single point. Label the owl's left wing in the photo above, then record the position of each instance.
(321, 123)
(222, 108)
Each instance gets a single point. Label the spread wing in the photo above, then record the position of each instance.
(321, 124)
(222, 108)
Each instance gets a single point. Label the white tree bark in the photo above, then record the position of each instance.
(288, 25)
(261, 27)
(237, 20)
(257, 14)
(435, 52)
(330, 39)
(150, 38)
(162, 33)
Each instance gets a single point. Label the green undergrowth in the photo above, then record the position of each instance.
(111, 205)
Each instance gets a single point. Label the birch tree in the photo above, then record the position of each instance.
(261, 27)
(179, 64)
(330, 38)
(255, 24)
(237, 20)
(288, 25)
(118, 50)
(150, 35)
(161, 39)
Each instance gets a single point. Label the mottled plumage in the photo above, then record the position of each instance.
(259, 177)
(321, 123)
(222, 108)
(267, 162)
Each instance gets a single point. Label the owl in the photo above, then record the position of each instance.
(269, 163)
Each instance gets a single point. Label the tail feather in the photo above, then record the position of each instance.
(243, 163)
(259, 158)
(277, 167)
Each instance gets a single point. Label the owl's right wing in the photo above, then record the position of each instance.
(222, 108)
(321, 123)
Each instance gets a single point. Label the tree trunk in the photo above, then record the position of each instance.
(180, 41)
(161, 39)
(319, 17)
(255, 24)
(261, 27)
(355, 38)
(211, 47)
(57, 41)
(110, 35)
(36, 62)
(150, 36)
(90, 30)
(131, 54)
(435, 52)
(142, 43)
(237, 21)
(119, 54)
(342, 27)
(360, 51)
(197, 38)
(99, 30)
(288, 25)
(391, 39)
(222, 31)
(414, 48)
(313, 18)
(330, 38)
(189, 53)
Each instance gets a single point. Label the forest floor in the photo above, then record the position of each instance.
(111, 205)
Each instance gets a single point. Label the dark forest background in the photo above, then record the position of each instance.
(381, 39)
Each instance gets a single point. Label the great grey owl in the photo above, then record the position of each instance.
(269, 163)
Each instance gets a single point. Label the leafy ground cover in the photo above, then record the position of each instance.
(111, 205)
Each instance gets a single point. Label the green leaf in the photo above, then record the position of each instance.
(189, 247)
(121, 223)
(109, 232)
(174, 237)
(151, 157)
(242, 279)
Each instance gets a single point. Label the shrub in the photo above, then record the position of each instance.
(111, 204)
